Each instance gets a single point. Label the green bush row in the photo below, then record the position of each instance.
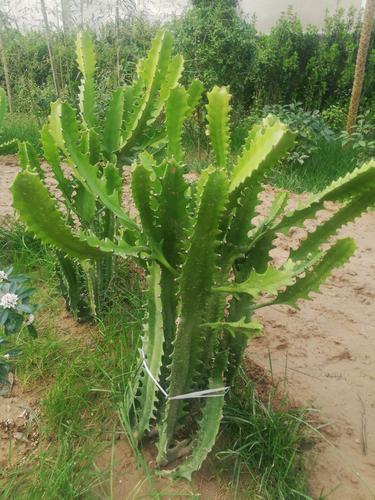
(219, 45)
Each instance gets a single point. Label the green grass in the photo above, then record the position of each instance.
(324, 166)
(82, 381)
(264, 442)
(22, 127)
(20, 249)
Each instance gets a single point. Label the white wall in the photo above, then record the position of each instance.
(309, 11)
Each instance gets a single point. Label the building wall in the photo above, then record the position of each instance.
(309, 11)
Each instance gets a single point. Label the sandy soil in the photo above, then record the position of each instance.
(8, 170)
(326, 350)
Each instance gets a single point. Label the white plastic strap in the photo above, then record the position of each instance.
(207, 393)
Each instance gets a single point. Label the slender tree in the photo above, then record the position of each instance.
(364, 42)
(49, 46)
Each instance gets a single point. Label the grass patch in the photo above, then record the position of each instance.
(263, 442)
(328, 163)
(20, 249)
(22, 127)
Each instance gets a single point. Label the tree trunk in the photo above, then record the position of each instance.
(49, 46)
(364, 42)
(4, 62)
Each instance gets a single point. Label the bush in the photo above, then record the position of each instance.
(309, 127)
(219, 46)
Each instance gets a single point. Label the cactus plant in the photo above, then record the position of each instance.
(95, 151)
(208, 264)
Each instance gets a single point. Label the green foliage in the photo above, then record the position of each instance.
(362, 138)
(265, 440)
(329, 161)
(16, 313)
(313, 66)
(309, 127)
(207, 32)
(3, 107)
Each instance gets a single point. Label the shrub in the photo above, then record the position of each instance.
(16, 312)
(218, 46)
(309, 127)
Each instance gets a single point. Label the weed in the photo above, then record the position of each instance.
(23, 127)
(329, 162)
(263, 441)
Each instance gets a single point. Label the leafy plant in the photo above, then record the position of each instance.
(16, 312)
(335, 116)
(362, 138)
(309, 127)
(96, 151)
(208, 266)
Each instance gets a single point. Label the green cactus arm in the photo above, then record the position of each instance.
(173, 75)
(152, 70)
(113, 123)
(89, 174)
(38, 210)
(267, 145)
(218, 110)
(352, 186)
(54, 124)
(28, 159)
(268, 282)
(84, 204)
(332, 259)
(173, 218)
(90, 144)
(248, 328)
(177, 108)
(51, 154)
(195, 91)
(324, 231)
(3, 106)
(208, 427)
(143, 197)
(117, 247)
(195, 288)
(86, 60)
(153, 341)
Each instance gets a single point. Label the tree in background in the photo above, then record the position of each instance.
(368, 21)
(219, 46)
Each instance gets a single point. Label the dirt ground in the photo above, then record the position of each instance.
(326, 351)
